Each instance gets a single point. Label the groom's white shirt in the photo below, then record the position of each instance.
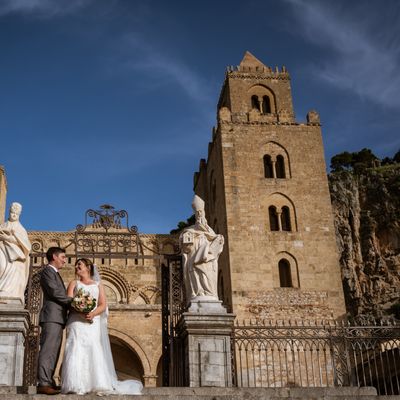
(55, 269)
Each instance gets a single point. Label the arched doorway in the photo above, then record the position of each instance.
(126, 361)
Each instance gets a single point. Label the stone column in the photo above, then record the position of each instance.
(279, 216)
(13, 329)
(207, 346)
(273, 168)
(150, 380)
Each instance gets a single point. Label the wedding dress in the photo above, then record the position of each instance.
(88, 365)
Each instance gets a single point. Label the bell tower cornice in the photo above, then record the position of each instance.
(254, 92)
(252, 68)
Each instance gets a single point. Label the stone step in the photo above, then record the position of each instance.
(208, 393)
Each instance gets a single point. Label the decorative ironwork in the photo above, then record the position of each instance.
(104, 235)
(106, 218)
(173, 306)
(309, 354)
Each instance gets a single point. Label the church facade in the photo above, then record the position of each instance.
(266, 191)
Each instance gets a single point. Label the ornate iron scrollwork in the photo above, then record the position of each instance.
(106, 233)
(106, 218)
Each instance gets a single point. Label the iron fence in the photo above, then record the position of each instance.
(310, 354)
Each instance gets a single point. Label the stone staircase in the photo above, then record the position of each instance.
(209, 393)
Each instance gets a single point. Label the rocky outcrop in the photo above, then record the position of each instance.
(366, 208)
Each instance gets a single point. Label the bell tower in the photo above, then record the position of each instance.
(266, 191)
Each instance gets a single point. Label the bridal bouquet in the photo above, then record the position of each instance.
(83, 302)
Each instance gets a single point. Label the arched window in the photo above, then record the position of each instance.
(273, 218)
(280, 167)
(285, 276)
(285, 219)
(268, 168)
(266, 105)
(255, 103)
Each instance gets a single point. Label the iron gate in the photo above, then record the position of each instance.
(173, 306)
(33, 302)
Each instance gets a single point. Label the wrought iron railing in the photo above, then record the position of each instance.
(310, 354)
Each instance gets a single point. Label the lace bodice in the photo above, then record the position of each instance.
(92, 288)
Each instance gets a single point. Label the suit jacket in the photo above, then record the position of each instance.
(55, 300)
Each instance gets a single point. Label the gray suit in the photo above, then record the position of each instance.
(53, 318)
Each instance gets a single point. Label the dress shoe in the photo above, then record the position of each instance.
(47, 390)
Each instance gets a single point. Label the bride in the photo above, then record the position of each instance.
(88, 365)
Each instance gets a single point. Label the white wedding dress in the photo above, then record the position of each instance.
(88, 365)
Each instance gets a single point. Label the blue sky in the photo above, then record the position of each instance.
(113, 101)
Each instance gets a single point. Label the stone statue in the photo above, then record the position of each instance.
(14, 256)
(200, 247)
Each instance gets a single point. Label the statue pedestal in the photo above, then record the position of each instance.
(206, 305)
(207, 347)
(14, 323)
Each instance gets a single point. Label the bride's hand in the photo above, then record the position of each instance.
(89, 317)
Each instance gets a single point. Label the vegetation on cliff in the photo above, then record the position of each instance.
(365, 194)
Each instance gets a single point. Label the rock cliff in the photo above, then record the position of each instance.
(366, 208)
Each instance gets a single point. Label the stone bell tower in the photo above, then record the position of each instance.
(3, 194)
(266, 191)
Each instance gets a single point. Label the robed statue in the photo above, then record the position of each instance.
(200, 247)
(14, 255)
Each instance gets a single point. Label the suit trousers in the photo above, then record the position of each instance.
(50, 344)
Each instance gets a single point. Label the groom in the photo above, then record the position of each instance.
(53, 318)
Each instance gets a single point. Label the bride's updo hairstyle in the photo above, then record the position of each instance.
(88, 264)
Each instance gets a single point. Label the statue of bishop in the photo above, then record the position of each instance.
(200, 247)
(14, 256)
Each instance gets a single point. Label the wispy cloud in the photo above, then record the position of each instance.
(42, 8)
(161, 68)
(363, 59)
